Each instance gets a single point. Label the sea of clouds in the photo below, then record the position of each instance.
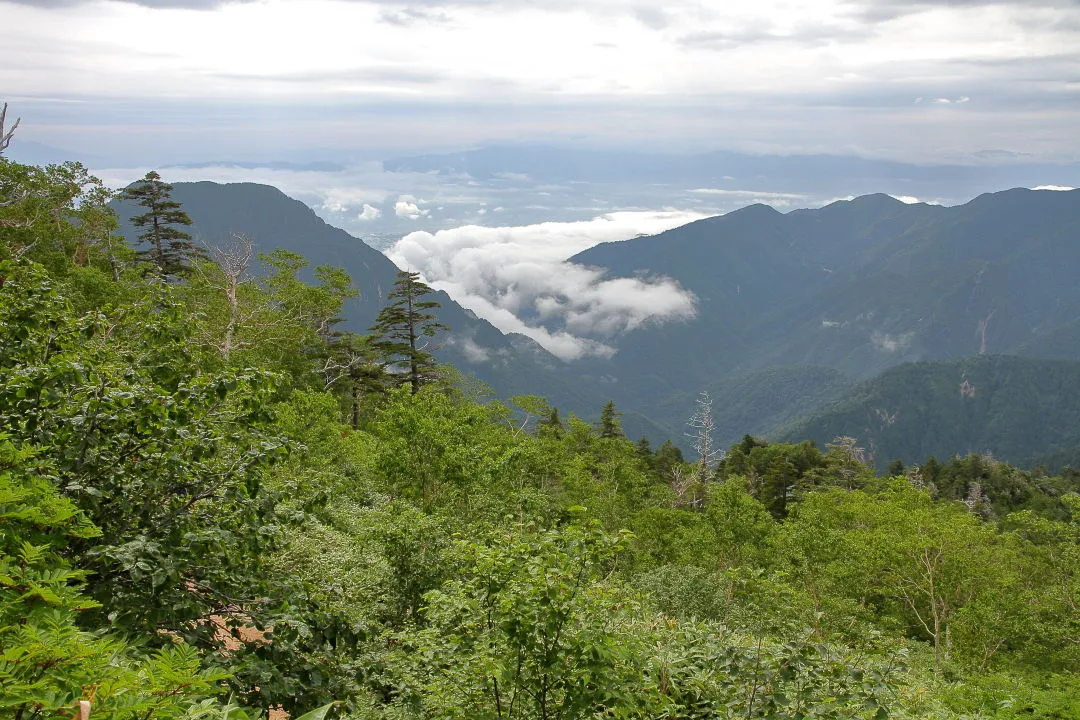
(519, 279)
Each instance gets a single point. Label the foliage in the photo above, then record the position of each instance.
(47, 662)
(401, 327)
(212, 502)
(171, 250)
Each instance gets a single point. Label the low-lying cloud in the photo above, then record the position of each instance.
(518, 279)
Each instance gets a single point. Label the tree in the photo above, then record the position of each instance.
(609, 425)
(402, 324)
(702, 428)
(5, 137)
(551, 424)
(173, 467)
(171, 249)
(352, 362)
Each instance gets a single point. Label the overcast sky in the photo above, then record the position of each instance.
(930, 80)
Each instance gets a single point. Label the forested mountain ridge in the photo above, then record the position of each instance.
(864, 284)
(858, 286)
(1025, 411)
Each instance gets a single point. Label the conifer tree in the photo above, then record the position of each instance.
(171, 249)
(609, 425)
(401, 327)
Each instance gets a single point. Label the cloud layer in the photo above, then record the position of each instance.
(518, 279)
(834, 75)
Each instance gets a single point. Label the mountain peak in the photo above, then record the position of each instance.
(757, 210)
(873, 200)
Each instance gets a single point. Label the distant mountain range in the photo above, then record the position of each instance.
(797, 314)
(808, 175)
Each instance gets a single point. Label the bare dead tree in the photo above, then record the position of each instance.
(5, 137)
(853, 459)
(337, 368)
(5, 140)
(233, 261)
(687, 488)
(702, 429)
(977, 501)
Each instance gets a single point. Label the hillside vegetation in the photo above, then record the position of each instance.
(215, 501)
(1022, 410)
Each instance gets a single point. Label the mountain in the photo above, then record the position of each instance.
(511, 364)
(1025, 411)
(792, 308)
(758, 402)
(818, 175)
(857, 286)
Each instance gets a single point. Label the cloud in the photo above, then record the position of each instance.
(1059, 188)
(518, 279)
(775, 199)
(407, 207)
(886, 10)
(454, 73)
(472, 350)
(369, 213)
(154, 4)
(761, 31)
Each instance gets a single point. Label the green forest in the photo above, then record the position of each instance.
(214, 503)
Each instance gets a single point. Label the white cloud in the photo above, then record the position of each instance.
(748, 193)
(1059, 188)
(908, 199)
(407, 207)
(518, 279)
(472, 350)
(369, 213)
(775, 199)
(772, 71)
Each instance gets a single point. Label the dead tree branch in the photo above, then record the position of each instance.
(5, 137)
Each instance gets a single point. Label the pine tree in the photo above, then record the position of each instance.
(171, 249)
(401, 326)
(609, 425)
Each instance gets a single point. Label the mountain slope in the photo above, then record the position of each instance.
(510, 364)
(858, 286)
(1021, 410)
(756, 403)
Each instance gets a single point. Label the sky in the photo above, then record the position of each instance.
(133, 85)
(924, 80)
